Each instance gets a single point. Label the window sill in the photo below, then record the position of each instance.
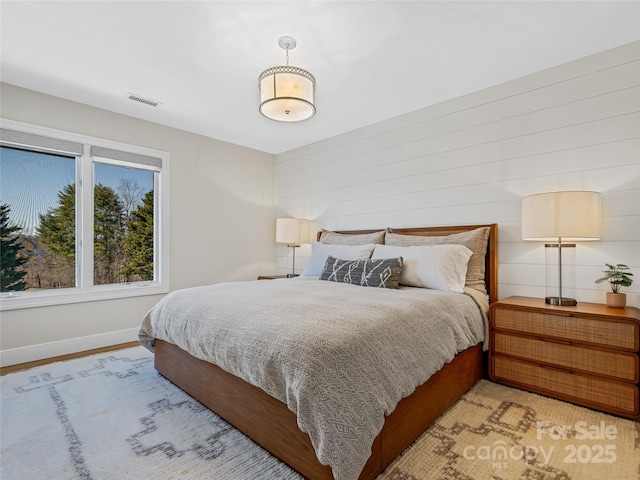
(20, 300)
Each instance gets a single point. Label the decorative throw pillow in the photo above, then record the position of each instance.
(439, 267)
(380, 273)
(475, 240)
(320, 252)
(352, 239)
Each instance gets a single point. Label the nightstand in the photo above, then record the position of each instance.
(587, 354)
(271, 277)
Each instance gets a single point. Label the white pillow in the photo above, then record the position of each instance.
(321, 251)
(440, 267)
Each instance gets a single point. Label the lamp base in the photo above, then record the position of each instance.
(562, 301)
(292, 275)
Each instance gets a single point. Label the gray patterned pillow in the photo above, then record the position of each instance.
(475, 240)
(381, 272)
(352, 239)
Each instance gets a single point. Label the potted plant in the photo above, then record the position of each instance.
(618, 276)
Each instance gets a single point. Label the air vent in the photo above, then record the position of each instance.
(146, 101)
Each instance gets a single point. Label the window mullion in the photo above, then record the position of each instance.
(157, 227)
(85, 221)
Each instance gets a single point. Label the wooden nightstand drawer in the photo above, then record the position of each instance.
(569, 326)
(586, 354)
(610, 363)
(590, 391)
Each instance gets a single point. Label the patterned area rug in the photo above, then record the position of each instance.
(113, 417)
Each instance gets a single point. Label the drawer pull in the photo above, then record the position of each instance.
(556, 313)
(555, 340)
(557, 369)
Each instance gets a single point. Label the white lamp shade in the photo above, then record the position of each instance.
(287, 94)
(572, 216)
(295, 231)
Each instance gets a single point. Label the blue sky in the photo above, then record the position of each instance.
(30, 182)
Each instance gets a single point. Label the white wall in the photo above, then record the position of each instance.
(467, 160)
(471, 160)
(221, 216)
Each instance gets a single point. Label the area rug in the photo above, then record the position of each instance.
(113, 417)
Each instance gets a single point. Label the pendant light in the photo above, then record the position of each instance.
(287, 94)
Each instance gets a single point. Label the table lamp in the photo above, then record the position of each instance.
(293, 232)
(561, 217)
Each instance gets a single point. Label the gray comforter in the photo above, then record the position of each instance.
(340, 356)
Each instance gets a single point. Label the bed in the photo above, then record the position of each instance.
(268, 417)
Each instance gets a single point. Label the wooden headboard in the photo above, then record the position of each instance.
(491, 259)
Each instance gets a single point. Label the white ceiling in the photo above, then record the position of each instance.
(372, 60)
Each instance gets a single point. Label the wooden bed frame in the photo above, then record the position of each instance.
(271, 424)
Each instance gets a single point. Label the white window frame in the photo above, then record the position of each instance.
(85, 291)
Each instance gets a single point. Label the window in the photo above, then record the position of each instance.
(82, 218)
(123, 205)
(39, 221)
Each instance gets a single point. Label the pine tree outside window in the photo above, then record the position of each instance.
(82, 218)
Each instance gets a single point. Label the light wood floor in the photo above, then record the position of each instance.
(36, 363)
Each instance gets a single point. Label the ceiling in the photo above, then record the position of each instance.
(371, 60)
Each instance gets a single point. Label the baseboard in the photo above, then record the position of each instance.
(15, 356)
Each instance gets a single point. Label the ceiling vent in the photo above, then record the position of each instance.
(146, 101)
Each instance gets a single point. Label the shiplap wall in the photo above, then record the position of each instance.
(471, 159)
